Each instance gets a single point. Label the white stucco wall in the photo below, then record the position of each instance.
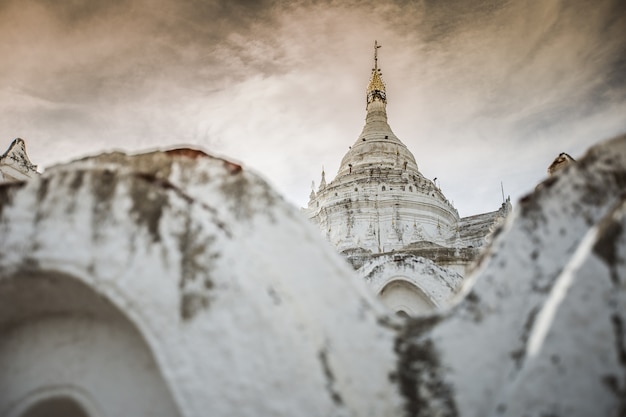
(539, 329)
(239, 302)
(245, 309)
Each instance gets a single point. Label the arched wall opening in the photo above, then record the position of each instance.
(55, 406)
(404, 298)
(59, 336)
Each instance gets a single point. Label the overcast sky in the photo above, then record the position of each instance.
(480, 91)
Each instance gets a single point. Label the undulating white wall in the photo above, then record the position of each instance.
(245, 308)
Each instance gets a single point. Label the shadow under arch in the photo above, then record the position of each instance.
(66, 401)
(63, 344)
(403, 297)
(55, 406)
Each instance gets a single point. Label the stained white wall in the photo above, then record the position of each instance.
(73, 343)
(242, 304)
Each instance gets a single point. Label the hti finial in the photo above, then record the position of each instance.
(376, 46)
(376, 87)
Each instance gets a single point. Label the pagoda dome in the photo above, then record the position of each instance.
(377, 146)
(379, 201)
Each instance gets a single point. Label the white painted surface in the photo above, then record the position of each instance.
(428, 286)
(578, 367)
(482, 354)
(105, 359)
(238, 301)
(62, 339)
(243, 306)
(380, 203)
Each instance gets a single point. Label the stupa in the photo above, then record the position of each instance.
(380, 205)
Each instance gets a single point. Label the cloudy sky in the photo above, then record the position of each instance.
(481, 91)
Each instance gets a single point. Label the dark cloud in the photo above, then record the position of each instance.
(565, 65)
(447, 19)
(85, 50)
(483, 78)
(72, 13)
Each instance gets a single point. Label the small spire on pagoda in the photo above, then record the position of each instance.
(323, 181)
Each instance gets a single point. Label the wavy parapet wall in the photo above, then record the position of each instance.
(175, 283)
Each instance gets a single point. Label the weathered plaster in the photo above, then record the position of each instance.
(232, 290)
(541, 329)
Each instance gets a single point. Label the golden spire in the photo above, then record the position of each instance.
(376, 86)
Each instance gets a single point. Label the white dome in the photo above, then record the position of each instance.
(377, 146)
